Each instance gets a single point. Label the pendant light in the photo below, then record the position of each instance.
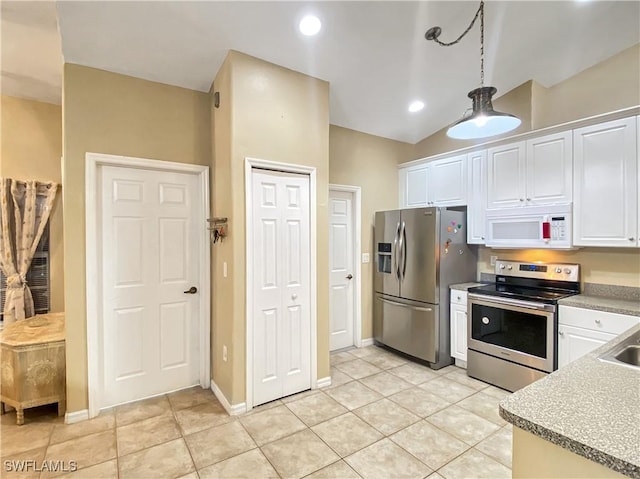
(482, 121)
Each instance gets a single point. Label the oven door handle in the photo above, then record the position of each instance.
(513, 302)
(415, 308)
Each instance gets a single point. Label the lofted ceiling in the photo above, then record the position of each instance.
(373, 53)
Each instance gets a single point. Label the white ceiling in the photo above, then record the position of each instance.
(373, 53)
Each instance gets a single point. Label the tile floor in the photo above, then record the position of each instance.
(382, 417)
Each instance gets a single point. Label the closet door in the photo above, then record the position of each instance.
(281, 285)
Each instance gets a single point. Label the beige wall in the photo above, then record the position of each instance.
(278, 115)
(370, 162)
(31, 142)
(619, 266)
(608, 86)
(110, 113)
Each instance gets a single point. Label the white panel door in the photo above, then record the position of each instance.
(341, 270)
(506, 176)
(281, 285)
(605, 211)
(459, 331)
(573, 343)
(549, 169)
(149, 251)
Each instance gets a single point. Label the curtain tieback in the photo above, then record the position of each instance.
(16, 281)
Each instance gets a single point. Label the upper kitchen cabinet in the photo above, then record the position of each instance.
(435, 183)
(477, 199)
(447, 182)
(413, 186)
(535, 172)
(606, 184)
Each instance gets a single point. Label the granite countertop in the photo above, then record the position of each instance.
(465, 286)
(590, 407)
(601, 303)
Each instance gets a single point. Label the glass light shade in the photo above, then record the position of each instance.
(484, 121)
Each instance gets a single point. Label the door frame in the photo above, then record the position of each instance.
(93, 232)
(250, 164)
(356, 194)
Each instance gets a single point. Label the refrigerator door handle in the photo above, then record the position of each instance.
(415, 308)
(404, 250)
(400, 251)
(396, 250)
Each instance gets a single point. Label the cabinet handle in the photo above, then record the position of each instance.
(561, 333)
(632, 239)
(481, 237)
(521, 199)
(598, 321)
(528, 199)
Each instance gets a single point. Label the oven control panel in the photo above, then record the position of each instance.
(535, 269)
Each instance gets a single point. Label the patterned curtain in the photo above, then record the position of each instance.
(24, 211)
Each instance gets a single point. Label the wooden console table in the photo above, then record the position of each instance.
(33, 364)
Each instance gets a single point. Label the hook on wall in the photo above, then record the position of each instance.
(218, 228)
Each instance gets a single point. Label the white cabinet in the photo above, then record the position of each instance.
(458, 321)
(477, 196)
(447, 182)
(413, 186)
(505, 180)
(435, 183)
(605, 210)
(580, 331)
(535, 172)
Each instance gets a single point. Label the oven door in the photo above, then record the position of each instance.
(522, 332)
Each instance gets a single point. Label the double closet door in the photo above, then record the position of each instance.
(281, 316)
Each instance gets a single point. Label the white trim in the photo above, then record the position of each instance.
(251, 163)
(93, 275)
(77, 416)
(234, 410)
(366, 342)
(356, 191)
(324, 382)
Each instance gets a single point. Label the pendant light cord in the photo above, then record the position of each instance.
(479, 13)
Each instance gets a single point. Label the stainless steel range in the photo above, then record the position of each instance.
(513, 324)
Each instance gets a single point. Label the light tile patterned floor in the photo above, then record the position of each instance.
(382, 417)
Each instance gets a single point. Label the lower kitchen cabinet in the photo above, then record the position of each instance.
(458, 320)
(580, 331)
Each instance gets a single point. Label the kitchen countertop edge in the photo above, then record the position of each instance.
(601, 303)
(465, 286)
(526, 420)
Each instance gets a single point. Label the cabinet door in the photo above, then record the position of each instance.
(506, 176)
(549, 171)
(573, 343)
(605, 184)
(447, 182)
(413, 186)
(477, 196)
(458, 322)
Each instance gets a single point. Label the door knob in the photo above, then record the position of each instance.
(349, 276)
(191, 290)
(294, 296)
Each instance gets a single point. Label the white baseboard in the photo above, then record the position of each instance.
(77, 416)
(232, 410)
(323, 382)
(366, 342)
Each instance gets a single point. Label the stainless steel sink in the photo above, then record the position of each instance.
(626, 353)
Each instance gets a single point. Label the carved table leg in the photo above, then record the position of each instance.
(19, 416)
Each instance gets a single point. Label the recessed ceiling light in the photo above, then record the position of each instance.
(416, 106)
(310, 25)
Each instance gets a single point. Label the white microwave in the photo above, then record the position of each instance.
(530, 227)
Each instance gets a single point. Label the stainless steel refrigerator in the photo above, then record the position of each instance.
(419, 253)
